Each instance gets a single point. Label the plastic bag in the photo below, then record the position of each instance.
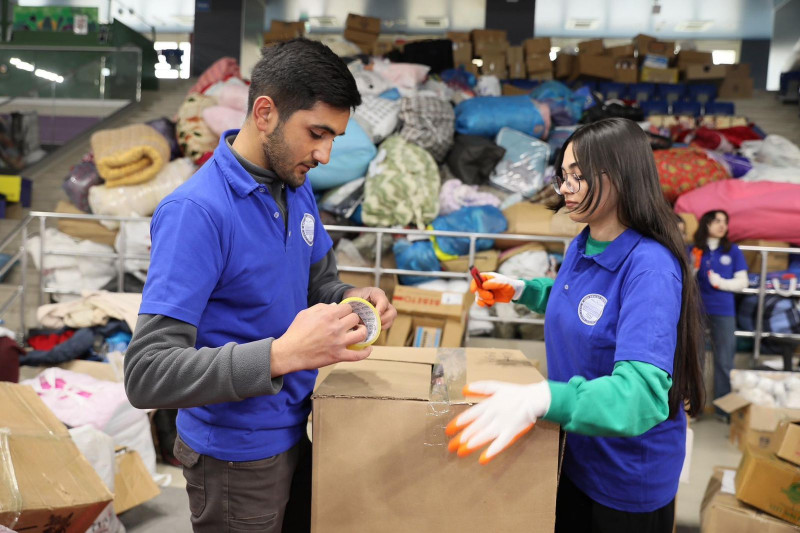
(473, 158)
(476, 219)
(486, 115)
(522, 168)
(419, 256)
(81, 178)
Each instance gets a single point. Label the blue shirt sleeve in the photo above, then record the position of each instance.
(186, 262)
(739, 262)
(647, 330)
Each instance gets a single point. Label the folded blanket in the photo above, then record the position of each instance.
(140, 200)
(129, 155)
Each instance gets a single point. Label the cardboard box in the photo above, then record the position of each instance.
(462, 53)
(705, 72)
(381, 48)
(485, 261)
(367, 279)
(280, 35)
(363, 24)
(490, 48)
(564, 65)
(625, 70)
(659, 75)
(494, 65)
(693, 57)
(511, 90)
(594, 66)
(770, 484)
(360, 37)
(655, 61)
(515, 54)
(537, 46)
(500, 36)
(788, 438)
(659, 48)
(517, 71)
(58, 488)
(526, 218)
(422, 308)
(539, 63)
(739, 70)
(540, 76)
(133, 484)
(775, 262)
(83, 229)
(721, 512)
(641, 41)
(458, 36)
(626, 50)
(298, 27)
(592, 47)
(735, 87)
(397, 475)
(754, 426)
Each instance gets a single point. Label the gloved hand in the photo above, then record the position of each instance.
(508, 412)
(714, 279)
(497, 288)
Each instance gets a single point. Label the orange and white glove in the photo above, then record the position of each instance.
(497, 288)
(714, 279)
(508, 412)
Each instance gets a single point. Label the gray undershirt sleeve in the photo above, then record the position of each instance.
(324, 285)
(163, 369)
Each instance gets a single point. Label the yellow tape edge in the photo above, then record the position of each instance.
(362, 345)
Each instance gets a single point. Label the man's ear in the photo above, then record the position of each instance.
(265, 114)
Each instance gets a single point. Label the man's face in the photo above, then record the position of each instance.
(304, 141)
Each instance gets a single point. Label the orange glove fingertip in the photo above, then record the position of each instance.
(452, 428)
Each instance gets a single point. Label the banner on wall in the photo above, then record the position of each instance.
(80, 20)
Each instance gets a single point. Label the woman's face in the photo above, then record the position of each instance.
(718, 227)
(606, 204)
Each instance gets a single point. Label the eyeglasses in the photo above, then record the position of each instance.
(573, 185)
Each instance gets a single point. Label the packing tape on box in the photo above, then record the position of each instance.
(8, 482)
(370, 318)
(448, 377)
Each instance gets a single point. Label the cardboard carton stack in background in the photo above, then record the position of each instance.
(515, 61)
(537, 58)
(462, 50)
(737, 83)
(491, 46)
(593, 62)
(363, 31)
(626, 68)
(429, 319)
(280, 31)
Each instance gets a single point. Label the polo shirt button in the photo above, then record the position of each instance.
(290, 233)
(566, 287)
(262, 189)
(277, 214)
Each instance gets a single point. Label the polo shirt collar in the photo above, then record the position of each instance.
(612, 257)
(238, 178)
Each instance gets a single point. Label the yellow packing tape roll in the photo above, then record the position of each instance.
(369, 316)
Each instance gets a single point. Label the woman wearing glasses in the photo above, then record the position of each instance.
(622, 332)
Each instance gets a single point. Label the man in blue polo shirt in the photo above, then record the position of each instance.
(240, 307)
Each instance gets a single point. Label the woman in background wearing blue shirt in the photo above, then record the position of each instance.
(721, 270)
(622, 333)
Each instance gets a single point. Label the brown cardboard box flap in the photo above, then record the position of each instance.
(411, 300)
(731, 402)
(537, 45)
(770, 484)
(788, 438)
(377, 379)
(133, 484)
(721, 512)
(769, 418)
(56, 483)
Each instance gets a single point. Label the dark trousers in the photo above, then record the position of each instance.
(578, 513)
(723, 344)
(271, 495)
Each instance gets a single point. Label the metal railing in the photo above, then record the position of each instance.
(120, 256)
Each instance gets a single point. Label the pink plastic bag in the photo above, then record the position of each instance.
(758, 210)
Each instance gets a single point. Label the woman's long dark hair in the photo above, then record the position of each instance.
(620, 149)
(701, 235)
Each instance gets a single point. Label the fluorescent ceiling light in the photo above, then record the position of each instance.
(46, 74)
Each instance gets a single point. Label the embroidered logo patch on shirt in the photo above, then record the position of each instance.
(591, 308)
(307, 228)
(725, 260)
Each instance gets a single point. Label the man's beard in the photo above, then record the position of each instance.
(279, 158)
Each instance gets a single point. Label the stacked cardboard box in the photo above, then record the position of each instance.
(280, 31)
(462, 49)
(363, 31)
(428, 318)
(515, 61)
(537, 58)
(380, 451)
(491, 47)
(737, 83)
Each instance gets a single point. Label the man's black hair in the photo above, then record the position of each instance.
(300, 73)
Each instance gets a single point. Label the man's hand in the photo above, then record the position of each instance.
(378, 299)
(319, 336)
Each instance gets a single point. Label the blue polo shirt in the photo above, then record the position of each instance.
(726, 264)
(223, 260)
(620, 305)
